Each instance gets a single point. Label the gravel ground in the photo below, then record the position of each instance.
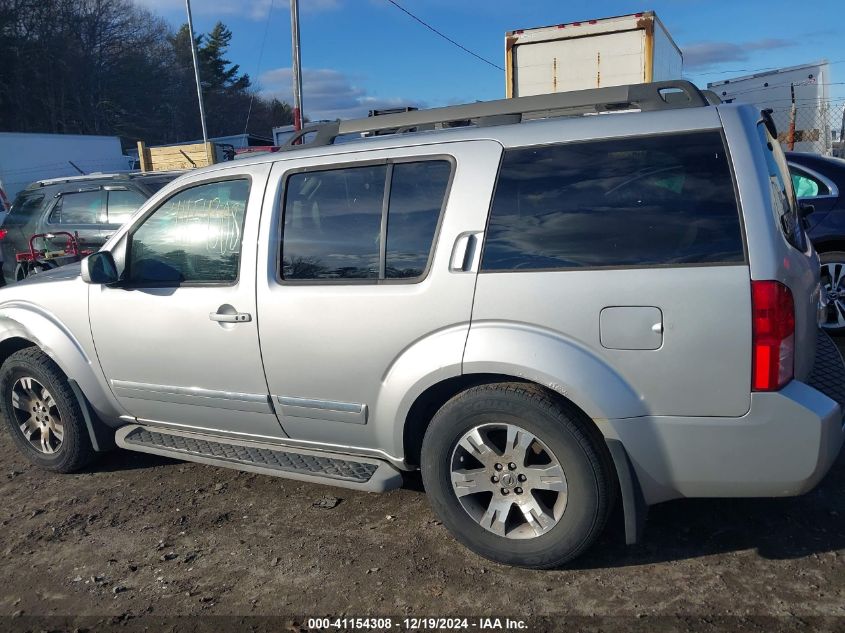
(139, 535)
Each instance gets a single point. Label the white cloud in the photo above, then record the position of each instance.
(327, 94)
(706, 54)
(253, 9)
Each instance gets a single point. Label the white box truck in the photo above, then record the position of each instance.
(25, 158)
(815, 120)
(628, 49)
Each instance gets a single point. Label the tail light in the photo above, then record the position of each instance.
(773, 335)
(3, 233)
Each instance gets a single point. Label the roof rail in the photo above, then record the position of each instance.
(660, 95)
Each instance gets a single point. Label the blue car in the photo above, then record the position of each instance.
(820, 181)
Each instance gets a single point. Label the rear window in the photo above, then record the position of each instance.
(643, 201)
(23, 208)
(784, 202)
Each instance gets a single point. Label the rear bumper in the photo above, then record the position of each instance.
(783, 446)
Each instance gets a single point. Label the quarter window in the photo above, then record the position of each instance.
(659, 200)
(195, 236)
(84, 207)
(122, 204)
(337, 225)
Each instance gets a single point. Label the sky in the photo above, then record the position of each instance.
(364, 54)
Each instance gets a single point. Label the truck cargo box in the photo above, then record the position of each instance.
(627, 49)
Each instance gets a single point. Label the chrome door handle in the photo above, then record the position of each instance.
(237, 317)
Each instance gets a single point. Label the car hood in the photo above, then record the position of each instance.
(57, 274)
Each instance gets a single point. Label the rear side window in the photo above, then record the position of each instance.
(363, 223)
(84, 207)
(644, 201)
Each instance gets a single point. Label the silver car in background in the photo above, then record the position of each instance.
(545, 314)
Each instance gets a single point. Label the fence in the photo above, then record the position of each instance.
(818, 127)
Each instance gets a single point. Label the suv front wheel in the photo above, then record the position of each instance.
(42, 413)
(516, 476)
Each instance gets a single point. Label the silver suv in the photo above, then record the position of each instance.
(544, 314)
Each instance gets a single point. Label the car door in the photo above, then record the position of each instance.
(177, 340)
(811, 187)
(369, 261)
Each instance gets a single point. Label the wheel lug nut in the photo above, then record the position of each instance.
(518, 490)
(494, 479)
(505, 491)
(498, 467)
(512, 466)
(522, 477)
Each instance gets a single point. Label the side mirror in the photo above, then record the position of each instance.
(99, 268)
(805, 209)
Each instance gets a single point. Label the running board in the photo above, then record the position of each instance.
(358, 473)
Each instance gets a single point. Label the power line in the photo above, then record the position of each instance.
(445, 37)
(258, 70)
(755, 70)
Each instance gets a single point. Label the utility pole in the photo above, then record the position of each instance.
(296, 65)
(793, 113)
(196, 70)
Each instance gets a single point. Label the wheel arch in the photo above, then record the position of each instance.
(23, 325)
(625, 481)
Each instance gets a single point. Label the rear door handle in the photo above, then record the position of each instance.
(465, 252)
(237, 317)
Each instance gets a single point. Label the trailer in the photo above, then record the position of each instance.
(617, 51)
(810, 127)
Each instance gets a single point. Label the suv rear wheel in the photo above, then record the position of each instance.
(42, 413)
(515, 476)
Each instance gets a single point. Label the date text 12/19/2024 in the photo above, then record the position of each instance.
(415, 624)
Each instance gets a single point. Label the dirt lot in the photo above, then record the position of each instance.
(138, 535)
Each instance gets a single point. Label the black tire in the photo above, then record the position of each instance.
(75, 450)
(834, 257)
(564, 430)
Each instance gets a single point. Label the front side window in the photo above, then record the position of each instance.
(122, 203)
(363, 223)
(643, 201)
(194, 237)
(83, 207)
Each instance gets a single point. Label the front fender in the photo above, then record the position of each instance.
(75, 355)
(550, 359)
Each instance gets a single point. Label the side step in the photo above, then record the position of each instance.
(359, 473)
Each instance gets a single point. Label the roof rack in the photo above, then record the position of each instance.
(660, 95)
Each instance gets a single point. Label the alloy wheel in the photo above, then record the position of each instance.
(508, 481)
(833, 281)
(37, 415)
